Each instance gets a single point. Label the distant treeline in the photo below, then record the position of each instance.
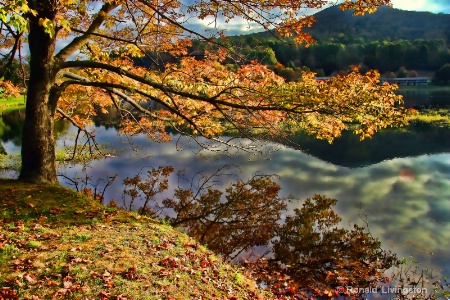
(398, 43)
(337, 55)
(401, 58)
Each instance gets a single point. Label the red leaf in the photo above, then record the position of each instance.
(8, 294)
(104, 295)
(204, 264)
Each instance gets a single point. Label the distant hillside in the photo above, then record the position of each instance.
(386, 23)
(389, 40)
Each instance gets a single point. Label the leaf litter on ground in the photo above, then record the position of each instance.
(57, 244)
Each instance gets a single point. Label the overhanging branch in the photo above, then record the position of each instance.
(114, 88)
(80, 80)
(81, 40)
(201, 97)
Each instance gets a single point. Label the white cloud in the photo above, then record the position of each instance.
(419, 5)
(234, 26)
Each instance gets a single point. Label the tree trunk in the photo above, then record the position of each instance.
(38, 143)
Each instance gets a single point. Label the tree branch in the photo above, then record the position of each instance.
(88, 134)
(177, 24)
(102, 36)
(166, 89)
(113, 88)
(81, 40)
(13, 51)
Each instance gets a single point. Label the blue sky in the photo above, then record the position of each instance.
(435, 6)
(239, 26)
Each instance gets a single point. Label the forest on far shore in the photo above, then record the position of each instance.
(398, 43)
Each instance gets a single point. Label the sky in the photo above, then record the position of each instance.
(239, 26)
(435, 6)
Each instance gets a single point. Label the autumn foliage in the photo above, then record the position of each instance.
(83, 58)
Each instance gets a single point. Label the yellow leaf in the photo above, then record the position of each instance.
(48, 25)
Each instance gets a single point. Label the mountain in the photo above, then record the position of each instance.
(386, 23)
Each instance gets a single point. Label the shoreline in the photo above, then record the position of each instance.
(12, 103)
(425, 88)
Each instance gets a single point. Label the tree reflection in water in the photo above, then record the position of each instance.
(309, 253)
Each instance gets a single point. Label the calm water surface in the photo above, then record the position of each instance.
(406, 199)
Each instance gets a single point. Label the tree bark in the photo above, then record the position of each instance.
(38, 143)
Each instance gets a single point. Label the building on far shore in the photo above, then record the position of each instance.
(413, 81)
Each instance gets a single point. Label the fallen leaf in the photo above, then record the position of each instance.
(204, 264)
(18, 283)
(104, 294)
(195, 246)
(28, 278)
(8, 293)
(62, 292)
(51, 282)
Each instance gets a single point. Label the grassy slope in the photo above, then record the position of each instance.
(56, 244)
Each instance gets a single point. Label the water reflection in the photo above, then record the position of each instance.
(407, 200)
(349, 151)
(424, 98)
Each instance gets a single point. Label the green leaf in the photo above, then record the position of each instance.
(65, 24)
(48, 25)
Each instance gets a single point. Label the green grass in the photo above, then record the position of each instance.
(436, 117)
(12, 103)
(50, 248)
(34, 244)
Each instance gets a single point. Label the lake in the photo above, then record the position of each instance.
(400, 179)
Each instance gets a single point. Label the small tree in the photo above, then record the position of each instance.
(402, 73)
(310, 252)
(288, 74)
(413, 74)
(443, 74)
(389, 74)
(246, 215)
